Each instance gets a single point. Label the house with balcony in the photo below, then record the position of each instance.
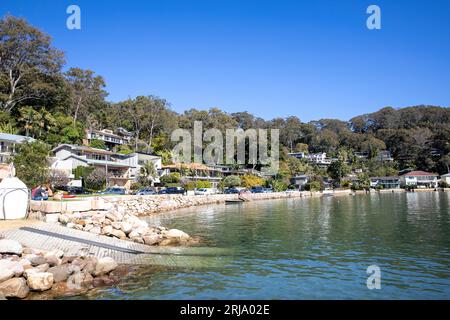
(320, 159)
(121, 169)
(419, 179)
(384, 156)
(195, 172)
(110, 139)
(392, 182)
(300, 181)
(8, 144)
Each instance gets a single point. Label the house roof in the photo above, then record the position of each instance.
(419, 173)
(192, 166)
(15, 138)
(83, 148)
(385, 178)
(106, 132)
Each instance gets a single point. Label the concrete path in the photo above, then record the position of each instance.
(48, 236)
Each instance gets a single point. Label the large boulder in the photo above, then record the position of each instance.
(107, 230)
(5, 274)
(40, 281)
(14, 288)
(52, 260)
(91, 264)
(79, 280)
(119, 234)
(152, 239)
(7, 266)
(177, 234)
(114, 215)
(10, 246)
(126, 227)
(60, 273)
(104, 266)
(37, 260)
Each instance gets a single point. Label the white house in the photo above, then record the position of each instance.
(420, 179)
(319, 159)
(8, 144)
(446, 178)
(122, 169)
(300, 181)
(392, 182)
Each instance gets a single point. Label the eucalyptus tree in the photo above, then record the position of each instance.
(28, 63)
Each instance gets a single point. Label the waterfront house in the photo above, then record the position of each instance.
(110, 139)
(300, 181)
(122, 169)
(320, 159)
(195, 172)
(419, 179)
(8, 143)
(392, 182)
(446, 178)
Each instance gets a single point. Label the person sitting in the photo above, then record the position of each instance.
(39, 194)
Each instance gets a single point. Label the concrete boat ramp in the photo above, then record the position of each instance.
(48, 236)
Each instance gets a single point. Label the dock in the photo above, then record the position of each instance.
(49, 236)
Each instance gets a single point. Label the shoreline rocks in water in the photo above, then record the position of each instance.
(116, 223)
(35, 271)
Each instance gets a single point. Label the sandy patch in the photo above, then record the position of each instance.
(15, 224)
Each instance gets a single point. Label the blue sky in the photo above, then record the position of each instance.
(312, 59)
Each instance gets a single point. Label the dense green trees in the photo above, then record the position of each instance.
(31, 163)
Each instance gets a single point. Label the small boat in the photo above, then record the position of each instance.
(236, 201)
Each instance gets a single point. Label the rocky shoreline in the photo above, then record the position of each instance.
(31, 273)
(116, 222)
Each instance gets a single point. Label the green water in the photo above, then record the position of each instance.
(315, 248)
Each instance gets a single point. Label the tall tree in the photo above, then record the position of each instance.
(87, 91)
(28, 63)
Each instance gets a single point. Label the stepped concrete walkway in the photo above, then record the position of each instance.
(48, 236)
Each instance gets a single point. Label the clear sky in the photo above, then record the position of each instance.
(313, 59)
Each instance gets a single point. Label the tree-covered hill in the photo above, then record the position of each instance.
(39, 99)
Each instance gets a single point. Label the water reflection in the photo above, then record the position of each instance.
(315, 248)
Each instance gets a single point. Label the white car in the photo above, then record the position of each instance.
(203, 191)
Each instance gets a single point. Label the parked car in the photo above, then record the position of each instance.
(267, 190)
(145, 192)
(203, 191)
(244, 191)
(173, 190)
(231, 191)
(113, 190)
(71, 190)
(257, 189)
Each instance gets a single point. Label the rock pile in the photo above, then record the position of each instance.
(117, 223)
(25, 270)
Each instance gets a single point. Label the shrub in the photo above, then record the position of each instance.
(231, 181)
(189, 185)
(203, 184)
(173, 177)
(98, 144)
(250, 180)
(31, 163)
(96, 180)
(278, 186)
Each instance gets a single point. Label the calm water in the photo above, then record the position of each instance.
(310, 249)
